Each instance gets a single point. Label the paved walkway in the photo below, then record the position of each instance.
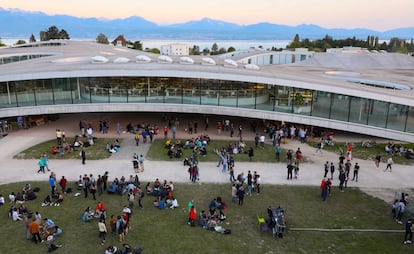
(371, 179)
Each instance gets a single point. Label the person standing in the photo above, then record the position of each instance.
(105, 180)
(389, 164)
(102, 231)
(141, 162)
(289, 171)
(118, 128)
(63, 183)
(341, 180)
(356, 170)
(34, 229)
(83, 156)
(192, 216)
(324, 188)
(278, 150)
(377, 160)
(408, 232)
(332, 170)
(251, 154)
(326, 169)
(240, 195)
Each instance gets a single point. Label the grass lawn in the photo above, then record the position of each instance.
(158, 152)
(166, 231)
(366, 153)
(94, 152)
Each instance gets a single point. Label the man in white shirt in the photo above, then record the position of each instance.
(15, 215)
(262, 140)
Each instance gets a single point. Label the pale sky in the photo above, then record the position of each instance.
(379, 15)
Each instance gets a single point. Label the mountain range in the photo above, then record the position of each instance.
(21, 24)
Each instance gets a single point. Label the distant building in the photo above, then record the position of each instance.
(175, 49)
(120, 41)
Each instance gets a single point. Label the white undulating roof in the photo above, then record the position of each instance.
(309, 74)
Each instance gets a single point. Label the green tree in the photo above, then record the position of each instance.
(154, 50)
(214, 49)
(221, 51)
(53, 33)
(137, 45)
(206, 51)
(195, 50)
(231, 49)
(32, 38)
(102, 38)
(295, 43)
(1, 43)
(20, 42)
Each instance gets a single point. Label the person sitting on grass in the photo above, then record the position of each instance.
(87, 215)
(47, 201)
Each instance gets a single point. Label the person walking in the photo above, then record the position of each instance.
(389, 164)
(102, 231)
(341, 180)
(324, 188)
(408, 232)
(377, 160)
(356, 170)
(83, 156)
(141, 162)
(278, 150)
(326, 169)
(332, 170)
(41, 165)
(240, 195)
(251, 154)
(289, 171)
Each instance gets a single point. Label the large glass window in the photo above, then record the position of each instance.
(7, 95)
(25, 92)
(410, 120)
(397, 117)
(358, 112)
(302, 101)
(209, 92)
(321, 104)
(228, 93)
(378, 111)
(283, 99)
(340, 107)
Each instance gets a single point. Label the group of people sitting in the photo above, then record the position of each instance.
(114, 147)
(122, 185)
(212, 218)
(98, 214)
(54, 200)
(394, 149)
(164, 193)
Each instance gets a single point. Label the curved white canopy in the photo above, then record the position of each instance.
(186, 60)
(230, 63)
(165, 59)
(99, 59)
(252, 67)
(143, 58)
(121, 60)
(208, 60)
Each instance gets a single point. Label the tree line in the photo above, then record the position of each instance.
(395, 44)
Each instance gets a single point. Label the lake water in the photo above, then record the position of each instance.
(237, 44)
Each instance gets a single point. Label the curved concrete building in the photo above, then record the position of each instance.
(348, 89)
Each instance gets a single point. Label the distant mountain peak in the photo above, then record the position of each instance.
(20, 24)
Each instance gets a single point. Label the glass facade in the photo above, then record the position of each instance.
(199, 91)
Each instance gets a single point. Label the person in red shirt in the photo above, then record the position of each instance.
(63, 182)
(192, 216)
(100, 206)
